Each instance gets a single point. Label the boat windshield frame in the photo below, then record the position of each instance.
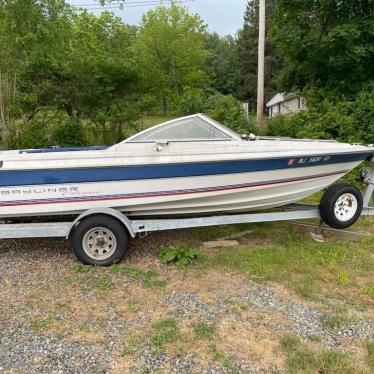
(231, 135)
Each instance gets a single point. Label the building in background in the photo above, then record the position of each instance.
(283, 103)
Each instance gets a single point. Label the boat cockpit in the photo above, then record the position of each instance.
(197, 127)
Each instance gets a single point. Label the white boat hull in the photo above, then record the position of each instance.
(175, 196)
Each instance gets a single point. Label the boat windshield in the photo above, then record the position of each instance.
(192, 128)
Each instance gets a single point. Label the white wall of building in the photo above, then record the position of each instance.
(291, 105)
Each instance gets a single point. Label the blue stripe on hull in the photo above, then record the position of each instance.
(122, 173)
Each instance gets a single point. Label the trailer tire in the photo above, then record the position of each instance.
(341, 206)
(100, 240)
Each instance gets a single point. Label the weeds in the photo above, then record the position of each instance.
(80, 268)
(334, 322)
(368, 289)
(133, 344)
(203, 330)
(290, 342)
(369, 345)
(133, 306)
(149, 278)
(301, 359)
(42, 324)
(165, 331)
(220, 357)
(103, 282)
(181, 256)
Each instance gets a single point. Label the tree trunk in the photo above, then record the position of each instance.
(7, 97)
(164, 104)
(69, 110)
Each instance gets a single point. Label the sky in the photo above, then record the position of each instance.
(222, 16)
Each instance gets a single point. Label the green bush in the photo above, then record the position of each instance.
(69, 133)
(228, 110)
(345, 120)
(193, 100)
(181, 256)
(285, 126)
(29, 135)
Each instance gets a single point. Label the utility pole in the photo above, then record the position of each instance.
(261, 64)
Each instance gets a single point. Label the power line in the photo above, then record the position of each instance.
(131, 4)
(125, 3)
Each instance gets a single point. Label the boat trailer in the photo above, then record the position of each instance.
(141, 227)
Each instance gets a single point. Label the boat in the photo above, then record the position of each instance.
(187, 166)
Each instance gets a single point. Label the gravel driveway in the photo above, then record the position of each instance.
(58, 317)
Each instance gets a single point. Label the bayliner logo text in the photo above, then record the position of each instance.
(39, 190)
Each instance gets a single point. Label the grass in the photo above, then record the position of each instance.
(220, 357)
(133, 344)
(275, 252)
(302, 359)
(334, 322)
(80, 268)
(133, 306)
(204, 330)
(104, 279)
(84, 327)
(369, 345)
(368, 289)
(165, 331)
(327, 361)
(149, 277)
(103, 282)
(89, 277)
(289, 342)
(41, 324)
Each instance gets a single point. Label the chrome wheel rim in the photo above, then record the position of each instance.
(345, 207)
(99, 243)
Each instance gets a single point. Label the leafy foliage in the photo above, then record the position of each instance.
(228, 110)
(222, 61)
(149, 277)
(193, 100)
(204, 330)
(165, 331)
(347, 120)
(170, 51)
(325, 46)
(181, 256)
(69, 133)
(246, 61)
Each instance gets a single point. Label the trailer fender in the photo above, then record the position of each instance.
(106, 211)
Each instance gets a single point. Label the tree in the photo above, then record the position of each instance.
(247, 42)
(221, 62)
(326, 46)
(29, 31)
(171, 52)
(94, 78)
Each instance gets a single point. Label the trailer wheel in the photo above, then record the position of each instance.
(100, 240)
(341, 206)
